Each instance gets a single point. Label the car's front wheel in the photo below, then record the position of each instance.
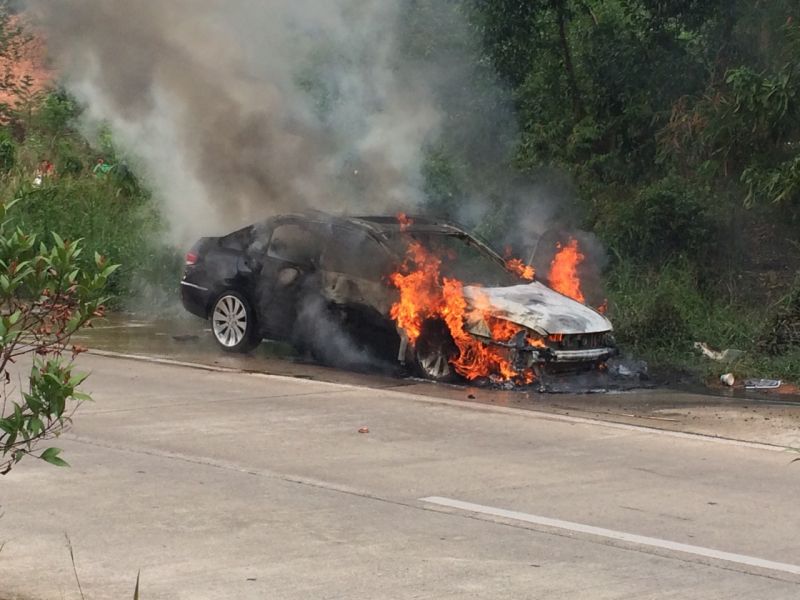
(435, 351)
(233, 323)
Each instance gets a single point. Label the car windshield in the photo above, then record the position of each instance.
(463, 258)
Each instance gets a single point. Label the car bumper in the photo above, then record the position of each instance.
(195, 298)
(525, 357)
(582, 356)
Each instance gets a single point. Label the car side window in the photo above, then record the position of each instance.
(295, 243)
(354, 252)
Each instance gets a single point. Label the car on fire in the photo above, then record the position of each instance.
(359, 272)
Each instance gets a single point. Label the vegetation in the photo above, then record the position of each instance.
(678, 123)
(65, 184)
(669, 129)
(45, 298)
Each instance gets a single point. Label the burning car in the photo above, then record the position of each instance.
(414, 290)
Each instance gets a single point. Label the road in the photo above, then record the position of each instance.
(224, 484)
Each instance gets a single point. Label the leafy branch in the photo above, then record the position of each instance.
(45, 298)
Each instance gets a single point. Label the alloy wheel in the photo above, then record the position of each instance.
(229, 321)
(435, 363)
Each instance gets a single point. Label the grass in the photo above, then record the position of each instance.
(116, 222)
(659, 315)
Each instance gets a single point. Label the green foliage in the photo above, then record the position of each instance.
(657, 309)
(8, 153)
(781, 334)
(121, 226)
(680, 124)
(113, 214)
(46, 297)
(57, 113)
(664, 220)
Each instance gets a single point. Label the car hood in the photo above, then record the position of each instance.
(537, 307)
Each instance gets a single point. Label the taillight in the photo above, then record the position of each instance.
(191, 258)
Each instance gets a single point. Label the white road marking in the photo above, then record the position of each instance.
(631, 538)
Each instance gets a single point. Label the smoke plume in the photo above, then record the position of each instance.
(234, 110)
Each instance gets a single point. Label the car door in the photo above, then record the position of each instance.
(355, 270)
(289, 271)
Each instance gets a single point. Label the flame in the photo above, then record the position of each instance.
(404, 220)
(425, 294)
(421, 296)
(520, 268)
(564, 271)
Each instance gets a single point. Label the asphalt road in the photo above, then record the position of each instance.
(234, 485)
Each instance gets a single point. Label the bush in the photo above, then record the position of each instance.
(663, 221)
(124, 227)
(45, 298)
(653, 310)
(781, 335)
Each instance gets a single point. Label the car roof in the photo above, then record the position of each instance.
(382, 225)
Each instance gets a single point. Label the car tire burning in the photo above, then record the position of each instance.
(435, 353)
(418, 292)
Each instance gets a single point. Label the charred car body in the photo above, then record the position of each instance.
(281, 278)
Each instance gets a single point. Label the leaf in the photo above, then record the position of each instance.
(109, 270)
(77, 379)
(51, 456)
(7, 427)
(14, 318)
(35, 426)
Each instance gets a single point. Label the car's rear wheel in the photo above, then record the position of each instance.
(233, 323)
(434, 352)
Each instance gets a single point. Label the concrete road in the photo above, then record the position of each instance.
(769, 417)
(233, 485)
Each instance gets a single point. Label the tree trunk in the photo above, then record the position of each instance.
(572, 80)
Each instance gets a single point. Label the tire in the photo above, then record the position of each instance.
(434, 351)
(233, 323)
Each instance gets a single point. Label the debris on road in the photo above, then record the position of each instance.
(762, 384)
(626, 368)
(727, 356)
(364, 430)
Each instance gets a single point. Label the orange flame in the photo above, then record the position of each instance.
(425, 294)
(564, 271)
(520, 268)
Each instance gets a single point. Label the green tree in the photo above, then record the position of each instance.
(44, 300)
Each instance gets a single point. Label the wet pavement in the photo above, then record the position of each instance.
(764, 418)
